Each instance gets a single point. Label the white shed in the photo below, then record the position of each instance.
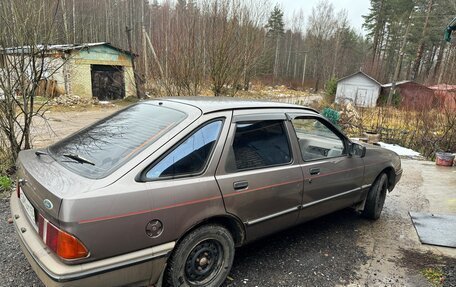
(359, 88)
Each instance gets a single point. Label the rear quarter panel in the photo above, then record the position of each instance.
(112, 220)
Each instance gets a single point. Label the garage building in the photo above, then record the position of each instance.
(92, 70)
(359, 88)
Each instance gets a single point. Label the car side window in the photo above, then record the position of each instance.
(316, 140)
(259, 144)
(190, 156)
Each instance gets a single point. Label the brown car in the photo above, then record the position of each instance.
(163, 191)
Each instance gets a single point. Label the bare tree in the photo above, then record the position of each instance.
(25, 65)
(320, 30)
(232, 47)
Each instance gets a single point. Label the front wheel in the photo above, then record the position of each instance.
(203, 258)
(376, 198)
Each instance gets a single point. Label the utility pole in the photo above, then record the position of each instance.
(74, 23)
(155, 56)
(275, 71)
(304, 69)
(146, 68)
(399, 60)
(304, 66)
(135, 75)
(144, 45)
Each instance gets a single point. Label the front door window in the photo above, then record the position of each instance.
(316, 140)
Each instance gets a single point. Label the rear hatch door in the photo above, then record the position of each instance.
(98, 155)
(45, 182)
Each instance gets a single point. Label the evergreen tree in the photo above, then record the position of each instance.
(275, 31)
(275, 25)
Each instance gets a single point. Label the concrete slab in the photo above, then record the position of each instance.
(439, 185)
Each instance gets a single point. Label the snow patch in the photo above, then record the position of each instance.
(402, 151)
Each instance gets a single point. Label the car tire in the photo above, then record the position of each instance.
(376, 198)
(203, 258)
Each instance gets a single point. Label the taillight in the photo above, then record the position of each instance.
(69, 247)
(63, 244)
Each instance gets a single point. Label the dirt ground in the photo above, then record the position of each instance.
(392, 243)
(60, 124)
(340, 249)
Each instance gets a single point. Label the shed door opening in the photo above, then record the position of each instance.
(361, 97)
(108, 82)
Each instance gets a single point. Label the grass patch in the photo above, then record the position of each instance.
(426, 130)
(434, 275)
(5, 183)
(438, 270)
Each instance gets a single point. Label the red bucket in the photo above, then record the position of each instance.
(444, 159)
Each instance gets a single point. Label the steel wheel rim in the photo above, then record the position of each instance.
(204, 262)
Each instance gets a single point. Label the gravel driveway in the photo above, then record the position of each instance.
(14, 270)
(340, 249)
(319, 253)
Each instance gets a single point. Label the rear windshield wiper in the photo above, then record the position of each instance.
(78, 158)
(40, 153)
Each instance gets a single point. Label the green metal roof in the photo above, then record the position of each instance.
(451, 27)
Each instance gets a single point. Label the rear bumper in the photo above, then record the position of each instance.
(136, 268)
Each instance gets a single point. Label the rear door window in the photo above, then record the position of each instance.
(189, 157)
(101, 148)
(259, 144)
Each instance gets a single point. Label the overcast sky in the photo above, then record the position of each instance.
(355, 9)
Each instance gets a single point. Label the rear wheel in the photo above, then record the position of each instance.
(203, 258)
(376, 198)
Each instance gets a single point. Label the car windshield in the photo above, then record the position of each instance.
(101, 148)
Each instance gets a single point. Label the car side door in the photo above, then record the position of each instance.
(260, 180)
(332, 177)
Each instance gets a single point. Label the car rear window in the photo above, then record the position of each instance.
(190, 157)
(98, 150)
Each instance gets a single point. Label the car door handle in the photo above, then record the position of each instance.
(238, 185)
(314, 171)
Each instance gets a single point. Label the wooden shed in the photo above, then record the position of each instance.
(359, 88)
(413, 95)
(446, 95)
(91, 70)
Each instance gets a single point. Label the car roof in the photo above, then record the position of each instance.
(215, 104)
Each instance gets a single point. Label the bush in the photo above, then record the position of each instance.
(5, 183)
(5, 157)
(395, 100)
(425, 130)
(332, 115)
(330, 90)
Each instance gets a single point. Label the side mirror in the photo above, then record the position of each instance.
(357, 150)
